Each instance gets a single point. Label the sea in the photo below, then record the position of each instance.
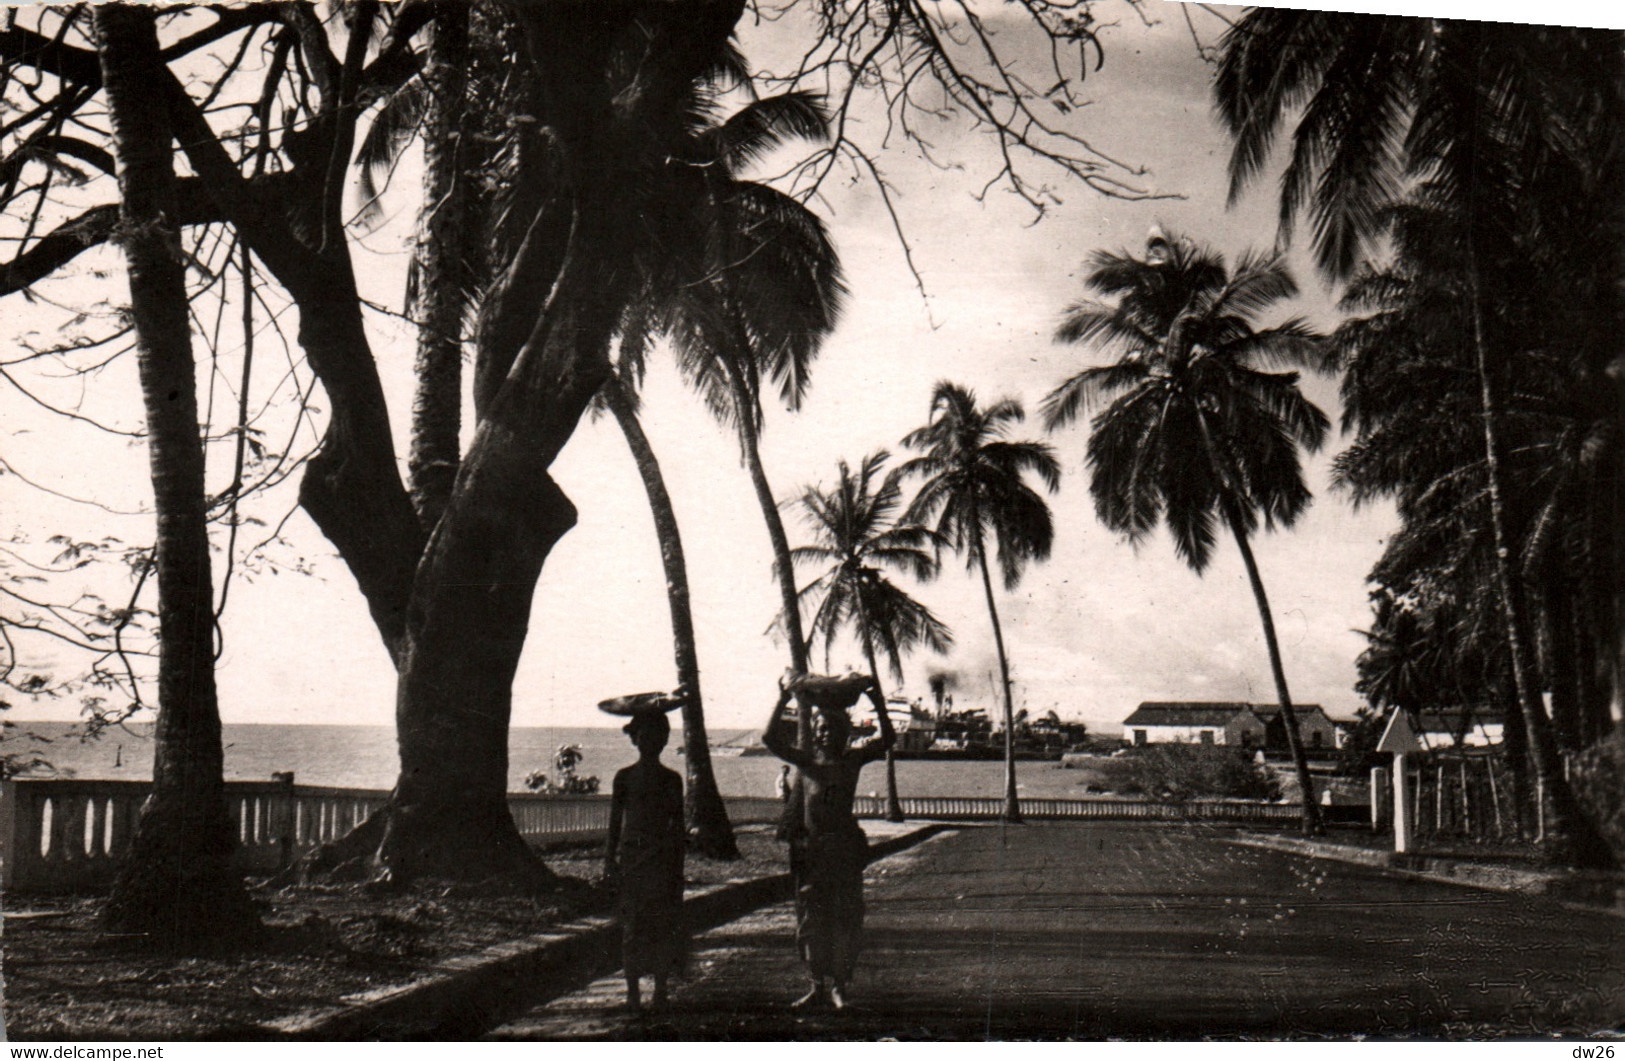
(365, 757)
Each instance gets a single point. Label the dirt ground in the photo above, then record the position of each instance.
(64, 980)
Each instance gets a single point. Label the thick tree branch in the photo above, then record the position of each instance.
(93, 227)
(228, 20)
(262, 224)
(397, 61)
(352, 489)
(79, 66)
(319, 58)
(42, 147)
(360, 18)
(64, 62)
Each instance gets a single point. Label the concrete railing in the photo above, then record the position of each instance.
(68, 835)
(960, 808)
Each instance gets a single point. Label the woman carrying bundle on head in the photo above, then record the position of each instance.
(644, 857)
(828, 850)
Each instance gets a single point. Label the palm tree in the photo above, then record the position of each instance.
(1195, 432)
(704, 813)
(459, 106)
(856, 533)
(1405, 665)
(741, 280)
(441, 280)
(1409, 354)
(176, 881)
(1512, 128)
(974, 489)
(746, 296)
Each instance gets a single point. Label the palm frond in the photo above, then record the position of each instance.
(1084, 392)
(1104, 327)
(1256, 284)
(395, 123)
(1291, 344)
(755, 131)
(973, 480)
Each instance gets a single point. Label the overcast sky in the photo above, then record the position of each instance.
(1098, 628)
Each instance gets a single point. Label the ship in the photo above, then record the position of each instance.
(949, 735)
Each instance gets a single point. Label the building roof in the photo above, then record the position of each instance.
(1185, 713)
(1206, 712)
(1269, 711)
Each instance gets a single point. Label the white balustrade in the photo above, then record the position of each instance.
(62, 835)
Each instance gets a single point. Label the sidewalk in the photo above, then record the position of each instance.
(1600, 892)
(464, 996)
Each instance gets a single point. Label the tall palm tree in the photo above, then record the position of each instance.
(742, 281)
(176, 882)
(857, 537)
(459, 106)
(974, 489)
(1511, 127)
(442, 276)
(704, 813)
(1195, 432)
(752, 294)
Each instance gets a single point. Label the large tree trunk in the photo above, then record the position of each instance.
(1012, 802)
(442, 271)
(469, 612)
(541, 359)
(1589, 631)
(1312, 825)
(704, 812)
(1515, 752)
(176, 883)
(1568, 836)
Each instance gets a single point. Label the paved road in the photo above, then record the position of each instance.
(1093, 931)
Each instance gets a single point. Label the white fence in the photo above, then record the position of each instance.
(68, 835)
(962, 808)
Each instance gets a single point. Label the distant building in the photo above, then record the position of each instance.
(1227, 722)
(1210, 722)
(1319, 732)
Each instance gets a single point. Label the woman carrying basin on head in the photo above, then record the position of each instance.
(828, 850)
(644, 856)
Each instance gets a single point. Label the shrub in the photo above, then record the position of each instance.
(1194, 771)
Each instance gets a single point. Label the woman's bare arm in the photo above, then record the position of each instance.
(877, 748)
(773, 739)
